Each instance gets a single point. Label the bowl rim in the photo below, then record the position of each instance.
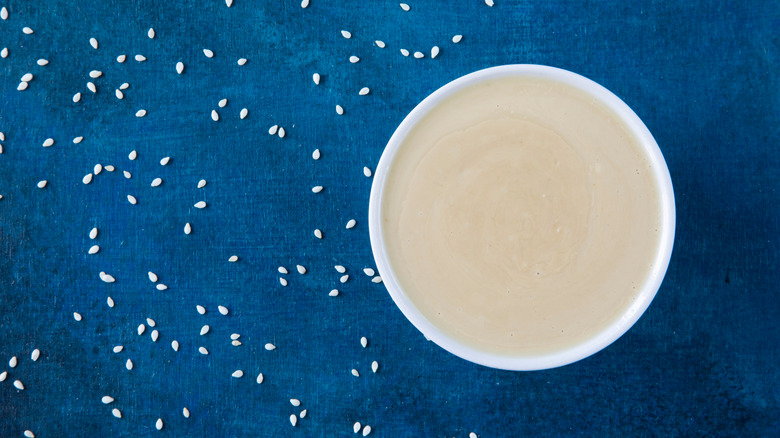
(588, 347)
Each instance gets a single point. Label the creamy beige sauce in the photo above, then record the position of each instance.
(521, 216)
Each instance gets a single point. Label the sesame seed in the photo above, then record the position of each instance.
(346, 34)
(121, 58)
(165, 161)
(152, 276)
(185, 412)
(151, 322)
(241, 61)
(35, 355)
(434, 51)
(214, 115)
(270, 347)
(260, 378)
(133, 155)
(162, 287)
(4, 13)
(376, 279)
(77, 316)
(150, 34)
(4, 52)
(27, 31)
(282, 281)
(201, 183)
(204, 330)
(29, 434)
(404, 52)
(141, 329)
(344, 278)
(140, 58)
(339, 110)
(301, 269)
(295, 402)
(233, 258)
(238, 374)
(76, 97)
(235, 336)
(282, 270)
(363, 91)
(43, 62)
(94, 43)
(456, 39)
(110, 302)
(3, 376)
(155, 335)
(356, 427)
(87, 178)
(124, 86)
(127, 174)
(355, 373)
(374, 366)
(106, 277)
(94, 74)
(353, 59)
(316, 78)
(316, 189)
(131, 199)
(489, 3)
(293, 420)
(235, 342)
(334, 293)
(380, 44)
(140, 113)
(97, 169)
(367, 172)
(405, 7)
(119, 94)
(19, 385)
(340, 269)
(208, 53)
(351, 224)
(472, 435)
(202, 350)
(318, 234)
(156, 182)
(129, 364)
(364, 342)
(159, 424)
(175, 345)
(316, 154)
(303, 413)
(243, 113)
(200, 204)
(22, 86)
(281, 133)
(229, 3)
(200, 309)
(273, 130)
(107, 399)
(366, 430)
(419, 55)
(27, 77)
(222, 103)
(93, 249)
(305, 4)
(223, 310)
(179, 67)
(116, 412)
(118, 349)
(13, 362)
(369, 272)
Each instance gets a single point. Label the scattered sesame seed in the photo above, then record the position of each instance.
(316, 189)
(318, 234)
(87, 178)
(3, 376)
(4, 13)
(355, 373)
(282, 270)
(27, 77)
(133, 155)
(363, 91)
(29, 434)
(107, 399)
(303, 413)
(116, 412)
(405, 7)
(243, 113)
(223, 310)
(118, 93)
(344, 278)
(374, 366)
(356, 427)
(346, 34)
(200, 309)
(369, 272)
(353, 59)
(152, 276)
(179, 67)
(140, 113)
(43, 62)
(150, 34)
(366, 430)
(260, 378)
(200, 204)
(175, 345)
(97, 169)
(472, 435)
(159, 424)
(282, 281)
(76, 97)
(22, 86)
(94, 43)
(380, 44)
(235, 336)
(185, 412)
(404, 52)
(367, 172)
(77, 316)
(351, 224)
(78, 140)
(339, 110)
(106, 277)
(235, 343)
(316, 154)
(419, 55)
(35, 355)
(4, 52)
(208, 53)
(94, 74)
(141, 329)
(295, 402)
(233, 258)
(434, 51)
(165, 161)
(238, 374)
(214, 115)
(293, 420)
(118, 349)
(364, 342)
(281, 133)
(222, 103)
(489, 3)
(131, 199)
(124, 86)
(305, 4)
(241, 61)
(270, 347)
(156, 182)
(140, 58)
(151, 322)
(187, 228)
(19, 385)
(202, 350)
(273, 130)
(340, 269)
(121, 58)
(316, 78)
(110, 302)
(205, 329)
(456, 39)
(301, 269)
(27, 31)
(201, 183)
(127, 174)
(229, 3)
(334, 293)
(93, 249)
(13, 362)
(162, 287)
(129, 364)
(376, 279)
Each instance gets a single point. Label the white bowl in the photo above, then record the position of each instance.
(601, 339)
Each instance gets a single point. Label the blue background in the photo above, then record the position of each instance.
(702, 361)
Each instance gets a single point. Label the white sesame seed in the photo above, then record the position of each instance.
(110, 302)
(200, 204)
(273, 130)
(164, 161)
(4, 13)
(43, 62)
(434, 51)
(282, 281)
(161, 287)
(19, 385)
(140, 58)
(76, 97)
(159, 424)
(152, 276)
(353, 59)
(107, 399)
(3, 376)
(367, 172)
(472, 435)
(243, 113)
(303, 413)
(156, 182)
(404, 52)
(489, 3)
(200, 309)
(260, 378)
(295, 402)
(27, 31)
(141, 329)
(124, 86)
(202, 350)
(356, 427)
(116, 412)
(241, 61)
(270, 347)
(13, 362)
(233, 258)
(93, 249)
(35, 355)
(97, 169)
(281, 132)
(351, 224)
(131, 199)
(94, 43)
(339, 110)
(77, 316)
(344, 278)
(4, 52)
(364, 342)
(380, 44)
(369, 272)
(129, 364)
(316, 154)
(94, 74)
(340, 269)
(293, 420)
(363, 91)
(346, 34)
(376, 279)
(204, 330)
(419, 55)
(208, 53)
(185, 412)
(456, 39)
(366, 430)
(175, 345)
(316, 78)
(235, 342)
(201, 183)
(179, 67)
(355, 373)
(106, 277)
(238, 374)
(235, 336)
(118, 93)
(214, 115)
(223, 310)
(301, 269)
(140, 113)
(334, 293)
(22, 86)
(151, 322)
(118, 349)
(121, 58)
(87, 178)
(374, 366)
(229, 3)
(127, 174)
(133, 155)
(27, 77)
(150, 34)
(155, 335)
(282, 270)
(305, 4)
(316, 189)
(29, 434)
(318, 234)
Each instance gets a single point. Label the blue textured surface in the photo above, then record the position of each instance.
(701, 362)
